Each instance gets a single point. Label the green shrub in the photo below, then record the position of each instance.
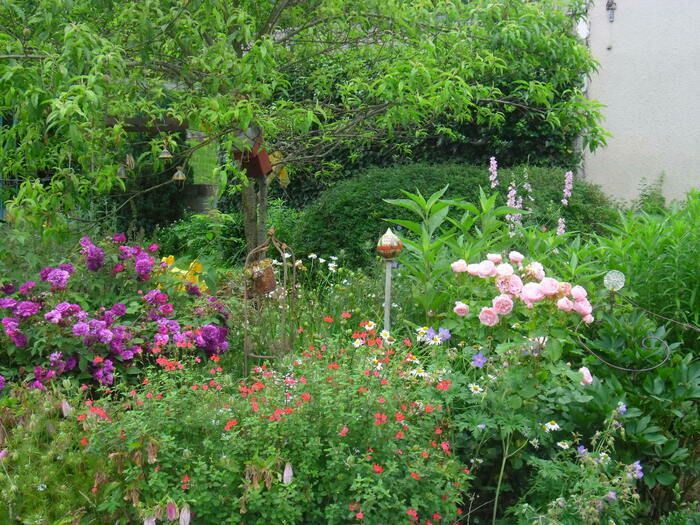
(350, 216)
(659, 254)
(218, 236)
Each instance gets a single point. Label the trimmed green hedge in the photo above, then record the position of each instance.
(349, 217)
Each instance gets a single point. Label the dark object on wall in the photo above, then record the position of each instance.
(201, 198)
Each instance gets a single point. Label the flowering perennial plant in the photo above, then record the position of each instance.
(85, 336)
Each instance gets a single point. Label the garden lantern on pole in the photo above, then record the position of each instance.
(388, 247)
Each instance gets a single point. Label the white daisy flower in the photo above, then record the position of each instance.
(564, 445)
(357, 343)
(370, 325)
(551, 426)
(313, 256)
(475, 389)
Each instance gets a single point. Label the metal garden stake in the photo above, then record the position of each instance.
(388, 247)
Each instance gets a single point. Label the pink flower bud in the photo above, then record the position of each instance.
(586, 376)
(588, 319)
(459, 266)
(516, 257)
(488, 316)
(583, 307)
(288, 474)
(549, 286)
(486, 269)
(579, 293)
(473, 269)
(531, 293)
(461, 309)
(185, 515)
(565, 304)
(495, 258)
(503, 304)
(504, 270)
(171, 511)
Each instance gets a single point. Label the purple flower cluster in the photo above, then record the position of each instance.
(493, 172)
(57, 277)
(94, 256)
(568, 187)
(11, 327)
(212, 339)
(119, 238)
(143, 263)
(63, 311)
(2, 382)
(27, 288)
(103, 371)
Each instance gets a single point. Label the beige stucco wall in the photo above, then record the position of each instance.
(649, 80)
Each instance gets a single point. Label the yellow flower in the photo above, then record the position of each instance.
(169, 260)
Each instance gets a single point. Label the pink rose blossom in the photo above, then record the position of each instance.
(473, 269)
(583, 307)
(531, 293)
(515, 285)
(564, 288)
(459, 266)
(488, 316)
(516, 257)
(461, 309)
(535, 270)
(503, 304)
(486, 269)
(495, 258)
(549, 286)
(565, 304)
(588, 319)
(587, 378)
(578, 293)
(504, 270)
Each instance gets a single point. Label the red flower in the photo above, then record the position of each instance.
(344, 431)
(379, 418)
(334, 366)
(328, 319)
(407, 342)
(437, 516)
(445, 447)
(360, 515)
(306, 396)
(438, 431)
(412, 513)
(378, 468)
(230, 424)
(415, 476)
(444, 385)
(399, 417)
(346, 315)
(84, 442)
(381, 400)
(399, 435)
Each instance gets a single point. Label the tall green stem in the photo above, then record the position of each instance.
(506, 449)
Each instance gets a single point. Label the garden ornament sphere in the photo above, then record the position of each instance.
(614, 280)
(389, 245)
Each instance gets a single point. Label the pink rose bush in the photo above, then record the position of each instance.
(529, 285)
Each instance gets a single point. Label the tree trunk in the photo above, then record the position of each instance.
(250, 216)
(262, 209)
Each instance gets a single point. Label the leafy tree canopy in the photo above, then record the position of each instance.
(316, 76)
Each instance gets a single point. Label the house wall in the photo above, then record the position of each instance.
(649, 80)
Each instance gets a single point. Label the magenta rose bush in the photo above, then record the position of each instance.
(113, 308)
